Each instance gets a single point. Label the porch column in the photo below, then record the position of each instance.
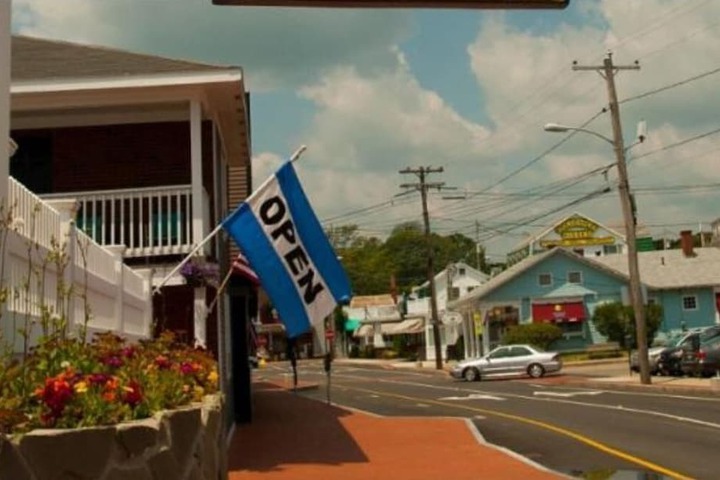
(200, 317)
(4, 98)
(196, 180)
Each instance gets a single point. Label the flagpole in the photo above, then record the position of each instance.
(215, 231)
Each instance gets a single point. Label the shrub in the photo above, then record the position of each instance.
(617, 322)
(540, 335)
(65, 383)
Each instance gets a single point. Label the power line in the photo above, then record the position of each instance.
(668, 87)
(677, 144)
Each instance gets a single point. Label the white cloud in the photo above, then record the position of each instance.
(277, 47)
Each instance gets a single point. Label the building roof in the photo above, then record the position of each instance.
(517, 269)
(667, 269)
(35, 59)
(363, 301)
(442, 275)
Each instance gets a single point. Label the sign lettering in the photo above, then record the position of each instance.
(273, 211)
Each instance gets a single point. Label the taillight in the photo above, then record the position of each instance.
(701, 355)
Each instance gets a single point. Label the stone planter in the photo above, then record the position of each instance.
(183, 444)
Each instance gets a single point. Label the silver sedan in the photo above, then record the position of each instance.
(509, 360)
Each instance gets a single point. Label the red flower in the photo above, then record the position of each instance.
(133, 394)
(162, 362)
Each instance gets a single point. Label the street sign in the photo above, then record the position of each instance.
(471, 4)
(330, 334)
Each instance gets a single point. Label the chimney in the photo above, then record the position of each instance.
(686, 243)
(393, 288)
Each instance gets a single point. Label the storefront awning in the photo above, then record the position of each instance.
(558, 312)
(409, 326)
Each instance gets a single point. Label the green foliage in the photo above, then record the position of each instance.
(540, 335)
(370, 263)
(617, 322)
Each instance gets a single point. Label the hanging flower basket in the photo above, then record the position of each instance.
(199, 273)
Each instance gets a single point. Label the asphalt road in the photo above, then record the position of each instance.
(587, 433)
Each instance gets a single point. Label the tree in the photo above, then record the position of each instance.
(540, 335)
(617, 322)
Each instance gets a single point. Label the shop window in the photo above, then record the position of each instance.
(574, 277)
(689, 302)
(545, 280)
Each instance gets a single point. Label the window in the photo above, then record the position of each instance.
(574, 277)
(454, 293)
(461, 271)
(520, 352)
(571, 329)
(689, 302)
(500, 353)
(610, 249)
(471, 288)
(545, 280)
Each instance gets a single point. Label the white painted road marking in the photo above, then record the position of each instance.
(568, 394)
(473, 396)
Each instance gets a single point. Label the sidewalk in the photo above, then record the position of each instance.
(296, 438)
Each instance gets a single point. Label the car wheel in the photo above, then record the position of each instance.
(471, 374)
(536, 370)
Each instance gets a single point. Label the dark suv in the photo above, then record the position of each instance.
(702, 357)
(669, 358)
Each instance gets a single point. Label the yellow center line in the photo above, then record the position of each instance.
(547, 426)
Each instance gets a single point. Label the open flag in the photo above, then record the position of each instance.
(284, 242)
(242, 267)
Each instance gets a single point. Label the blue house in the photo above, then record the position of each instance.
(561, 287)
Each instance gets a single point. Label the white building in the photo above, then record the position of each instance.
(454, 282)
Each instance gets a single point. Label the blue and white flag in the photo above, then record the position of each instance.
(285, 244)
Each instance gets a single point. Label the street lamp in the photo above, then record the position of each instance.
(629, 219)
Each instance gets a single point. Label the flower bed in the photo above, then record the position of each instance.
(67, 383)
(72, 409)
(186, 443)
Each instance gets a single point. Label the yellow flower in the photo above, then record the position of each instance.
(213, 377)
(198, 392)
(81, 387)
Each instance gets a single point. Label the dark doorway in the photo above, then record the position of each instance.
(242, 403)
(32, 163)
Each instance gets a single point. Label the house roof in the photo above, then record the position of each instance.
(443, 273)
(35, 59)
(362, 301)
(666, 269)
(50, 76)
(517, 269)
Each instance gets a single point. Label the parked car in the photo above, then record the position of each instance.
(664, 359)
(508, 360)
(703, 356)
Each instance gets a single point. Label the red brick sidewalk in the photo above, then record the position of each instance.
(295, 438)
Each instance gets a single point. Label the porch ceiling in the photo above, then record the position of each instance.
(56, 105)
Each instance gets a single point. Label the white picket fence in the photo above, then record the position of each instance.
(106, 295)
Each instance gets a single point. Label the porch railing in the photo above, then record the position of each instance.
(118, 297)
(148, 221)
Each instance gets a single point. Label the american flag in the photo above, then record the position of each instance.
(241, 266)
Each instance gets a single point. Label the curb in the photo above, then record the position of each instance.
(677, 389)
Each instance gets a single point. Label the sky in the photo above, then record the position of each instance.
(372, 92)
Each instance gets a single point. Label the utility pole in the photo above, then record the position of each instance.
(477, 245)
(423, 187)
(608, 71)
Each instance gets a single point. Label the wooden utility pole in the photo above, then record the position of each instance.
(608, 71)
(423, 187)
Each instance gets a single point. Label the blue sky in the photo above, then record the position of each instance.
(371, 92)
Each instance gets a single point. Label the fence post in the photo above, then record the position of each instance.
(147, 274)
(67, 209)
(118, 251)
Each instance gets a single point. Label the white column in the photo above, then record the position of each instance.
(198, 232)
(147, 274)
(4, 98)
(199, 318)
(67, 208)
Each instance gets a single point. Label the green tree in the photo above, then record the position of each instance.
(617, 322)
(540, 335)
